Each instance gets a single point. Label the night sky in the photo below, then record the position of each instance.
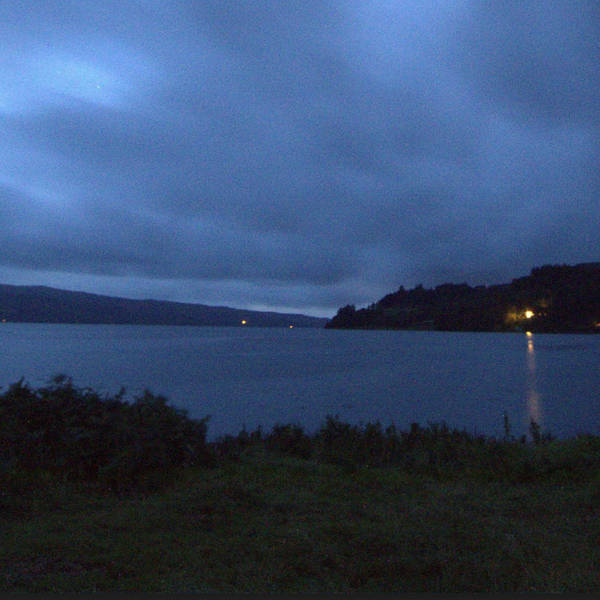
(295, 155)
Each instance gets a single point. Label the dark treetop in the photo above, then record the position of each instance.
(553, 299)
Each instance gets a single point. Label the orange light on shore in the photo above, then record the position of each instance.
(291, 327)
(528, 314)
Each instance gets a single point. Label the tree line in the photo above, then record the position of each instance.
(551, 299)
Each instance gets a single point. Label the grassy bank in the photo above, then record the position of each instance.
(130, 496)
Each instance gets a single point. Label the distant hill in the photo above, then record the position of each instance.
(39, 304)
(552, 299)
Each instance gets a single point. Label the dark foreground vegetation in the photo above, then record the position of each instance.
(551, 299)
(99, 494)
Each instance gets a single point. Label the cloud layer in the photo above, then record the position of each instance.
(295, 155)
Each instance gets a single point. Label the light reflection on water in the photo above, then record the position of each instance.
(534, 409)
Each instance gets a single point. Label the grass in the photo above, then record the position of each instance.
(350, 508)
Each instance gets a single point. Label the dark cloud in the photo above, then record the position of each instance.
(540, 58)
(295, 154)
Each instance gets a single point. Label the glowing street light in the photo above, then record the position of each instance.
(528, 314)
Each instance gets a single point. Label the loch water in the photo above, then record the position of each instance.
(246, 377)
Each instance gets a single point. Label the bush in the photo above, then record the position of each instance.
(80, 435)
(290, 440)
(232, 446)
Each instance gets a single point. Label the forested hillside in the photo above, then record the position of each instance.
(552, 298)
(37, 304)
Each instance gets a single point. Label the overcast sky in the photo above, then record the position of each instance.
(295, 155)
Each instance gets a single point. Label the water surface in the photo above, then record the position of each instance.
(250, 376)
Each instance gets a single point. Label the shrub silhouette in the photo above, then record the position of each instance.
(290, 440)
(78, 434)
(72, 433)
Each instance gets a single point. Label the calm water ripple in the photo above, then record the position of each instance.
(250, 377)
